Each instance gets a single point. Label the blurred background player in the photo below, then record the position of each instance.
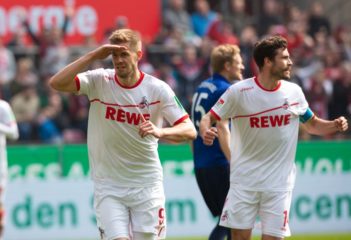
(265, 112)
(125, 123)
(212, 162)
(8, 129)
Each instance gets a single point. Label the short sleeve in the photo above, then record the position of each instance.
(305, 113)
(225, 106)
(172, 109)
(86, 81)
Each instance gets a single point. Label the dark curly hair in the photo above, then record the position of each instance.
(267, 48)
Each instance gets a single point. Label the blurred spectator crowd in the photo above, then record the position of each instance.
(179, 55)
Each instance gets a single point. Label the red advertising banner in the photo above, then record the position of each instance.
(90, 17)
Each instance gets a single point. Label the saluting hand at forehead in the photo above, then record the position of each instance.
(107, 49)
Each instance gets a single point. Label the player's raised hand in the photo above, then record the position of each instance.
(341, 124)
(63, 80)
(106, 50)
(209, 136)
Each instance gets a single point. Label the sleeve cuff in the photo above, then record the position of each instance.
(76, 79)
(215, 115)
(181, 119)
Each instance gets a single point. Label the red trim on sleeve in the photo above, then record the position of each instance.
(181, 119)
(215, 115)
(77, 83)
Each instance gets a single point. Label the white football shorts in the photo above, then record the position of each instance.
(120, 211)
(242, 207)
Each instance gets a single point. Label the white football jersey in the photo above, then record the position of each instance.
(264, 133)
(8, 129)
(117, 154)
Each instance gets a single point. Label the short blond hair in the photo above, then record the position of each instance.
(222, 54)
(126, 36)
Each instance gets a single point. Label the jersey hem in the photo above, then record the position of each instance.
(112, 182)
(290, 188)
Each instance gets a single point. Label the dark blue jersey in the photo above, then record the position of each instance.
(204, 98)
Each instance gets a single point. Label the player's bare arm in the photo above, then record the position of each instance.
(181, 132)
(63, 80)
(224, 137)
(318, 126)
(207, 132)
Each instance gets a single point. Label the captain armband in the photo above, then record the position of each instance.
(306, 116)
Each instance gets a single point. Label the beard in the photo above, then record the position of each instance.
(281, 73)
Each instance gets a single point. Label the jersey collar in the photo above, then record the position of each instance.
(133, 86)
(267, 90)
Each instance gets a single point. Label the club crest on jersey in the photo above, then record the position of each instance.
(290, 107)
(286, 104)
(144, 103)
